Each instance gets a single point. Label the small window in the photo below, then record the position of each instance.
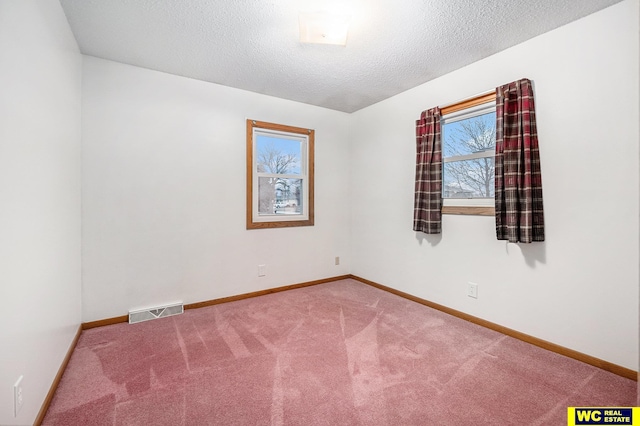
(279, 175)
(468, 154)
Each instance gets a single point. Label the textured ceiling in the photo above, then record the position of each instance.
(393, 45)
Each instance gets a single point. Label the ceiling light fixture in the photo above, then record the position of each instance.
(324, 28)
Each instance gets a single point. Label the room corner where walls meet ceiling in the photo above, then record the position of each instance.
(255, 46)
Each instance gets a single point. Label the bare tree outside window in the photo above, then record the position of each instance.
(280, 157)
(271, 159)
(468, 149)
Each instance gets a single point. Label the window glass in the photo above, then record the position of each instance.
(468, 155)
(278, 155)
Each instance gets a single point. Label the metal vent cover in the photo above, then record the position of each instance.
(154, 313)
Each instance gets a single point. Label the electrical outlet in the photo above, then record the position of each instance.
(472, 290)
(18, 400)
(262, 270)
(337, 261)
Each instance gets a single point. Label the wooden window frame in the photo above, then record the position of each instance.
(460, 106)
(309, 134)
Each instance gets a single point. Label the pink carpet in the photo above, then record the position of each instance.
(341, 353)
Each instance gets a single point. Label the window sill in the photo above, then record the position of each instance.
(278, 224)
(469, 210)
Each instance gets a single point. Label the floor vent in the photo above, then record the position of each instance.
(153, 313)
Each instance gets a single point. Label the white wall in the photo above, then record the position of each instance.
(578, 289)
(40, 293)
(164, 192)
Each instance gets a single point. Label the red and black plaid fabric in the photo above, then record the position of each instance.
(427, 210)
(519, 213)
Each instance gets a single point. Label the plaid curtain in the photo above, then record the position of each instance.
(427, 210)
(519, 213)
